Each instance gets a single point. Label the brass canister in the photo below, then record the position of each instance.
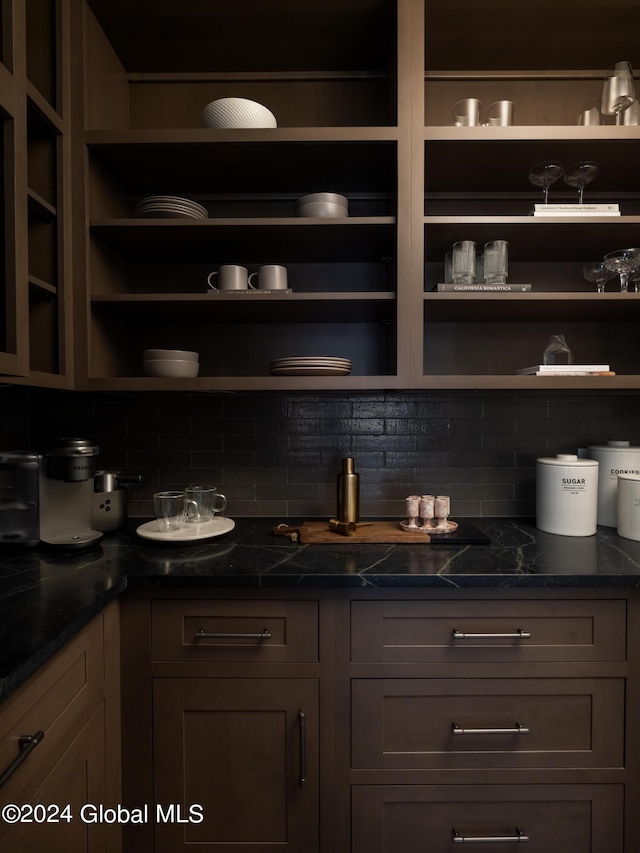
(348, 493)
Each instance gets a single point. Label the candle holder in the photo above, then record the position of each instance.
(433, 513)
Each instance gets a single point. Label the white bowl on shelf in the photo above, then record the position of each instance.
(171, 367)
(330, 205)
(237, 113)
(164, 354)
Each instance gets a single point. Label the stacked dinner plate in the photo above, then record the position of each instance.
(310, 366)
(171, 206)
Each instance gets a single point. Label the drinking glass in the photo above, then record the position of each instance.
(631, 116)
(634, 279)
(581, 174)
(463, 262)
(466, 113)
(170, 509)
(623, 261)
(545, 174)
(590, 113)
(495, 262)
(619, 91)
(598, 274)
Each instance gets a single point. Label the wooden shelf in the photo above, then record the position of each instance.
(528, 383)
(246, 383)
(531, 307)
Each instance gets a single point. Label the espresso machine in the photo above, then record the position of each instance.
(47, 498)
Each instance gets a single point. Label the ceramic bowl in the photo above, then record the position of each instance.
(317, 198)
(173, 367)
(322, 209)
(184, 355)
(237, 113)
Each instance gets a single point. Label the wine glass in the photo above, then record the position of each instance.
(579, 175)
(623, 261)
(598, 274)
(545, 174)
(619, 91)
(634, 279)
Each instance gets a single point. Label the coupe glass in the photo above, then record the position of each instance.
(619, 91)
(544, 175)
(634, 280)
(598, 274)
(581, 174)
(623, 261)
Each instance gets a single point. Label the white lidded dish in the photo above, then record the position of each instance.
(567, 495)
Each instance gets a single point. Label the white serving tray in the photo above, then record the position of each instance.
(189, 533)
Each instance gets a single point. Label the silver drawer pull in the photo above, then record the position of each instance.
(207, 635)
(303, 748)
(488, 839)
(518, 729)
(515, 635)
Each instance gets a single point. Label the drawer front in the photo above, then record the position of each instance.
(497, 723)
(487, 631)
(235, 631)
(51, 702)
(554, 818)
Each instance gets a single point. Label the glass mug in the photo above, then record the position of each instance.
(170, 509)
(202, 503)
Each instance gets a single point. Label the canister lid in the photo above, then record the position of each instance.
(568, 459)
(634, 477)
(614, 445)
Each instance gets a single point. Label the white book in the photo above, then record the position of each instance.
(550, 369)
(601, 208)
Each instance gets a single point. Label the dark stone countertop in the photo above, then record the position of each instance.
(47, 597)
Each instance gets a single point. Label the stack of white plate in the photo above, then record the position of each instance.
(310, 366)
(171, 206)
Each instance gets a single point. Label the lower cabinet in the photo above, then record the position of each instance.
(492, 818)
(59, 749)
(240, 756)
(383, 721)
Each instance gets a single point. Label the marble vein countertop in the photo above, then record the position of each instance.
(47, 597)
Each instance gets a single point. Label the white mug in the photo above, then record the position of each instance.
(270, 277)
(230, 277)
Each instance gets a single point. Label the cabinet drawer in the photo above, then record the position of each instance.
(475, 723)
(487, 631)
(235, 631)
(51, 702)
(555, 818)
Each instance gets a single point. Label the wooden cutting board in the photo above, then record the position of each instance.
(318, 533)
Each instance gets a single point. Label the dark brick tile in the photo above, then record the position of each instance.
(321, 409)
(231, 426)
(257, 509)
(287, 492)
(351, 426)
(159, 426)
(311, 475)
(290, 459)
(257, 476)
(390, 408)
(219, 458)
(424, 459)
(187, 475)
(386, 443)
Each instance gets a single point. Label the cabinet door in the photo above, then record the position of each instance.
(77, 779)
(246, 751)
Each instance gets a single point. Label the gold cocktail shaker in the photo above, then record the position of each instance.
(348, 493)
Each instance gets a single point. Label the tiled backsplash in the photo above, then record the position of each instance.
(278, 454)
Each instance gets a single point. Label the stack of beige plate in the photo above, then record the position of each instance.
(310, 366)
(170, 206)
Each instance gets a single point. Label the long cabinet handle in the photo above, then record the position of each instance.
(27, 744)
(518, 729)
(303, 749)
(207, 635)
(514, 635)
(489, 839)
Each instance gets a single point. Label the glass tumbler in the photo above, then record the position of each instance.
(463, 262)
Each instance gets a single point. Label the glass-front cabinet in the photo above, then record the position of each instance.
(35, 331)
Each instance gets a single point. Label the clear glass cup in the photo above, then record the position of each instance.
(170, 509)
(618, 91)
(545, 174)
(204, 502)
(623, 261)
(598, 274)
(496, 261)
(463, 262)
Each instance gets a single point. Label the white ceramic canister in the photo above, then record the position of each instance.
(567, 495)
(615, 458)
(628, 500)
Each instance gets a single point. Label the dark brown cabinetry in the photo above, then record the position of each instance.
(230, 688)
(430, 718)
(73, 702)
(35, 227)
